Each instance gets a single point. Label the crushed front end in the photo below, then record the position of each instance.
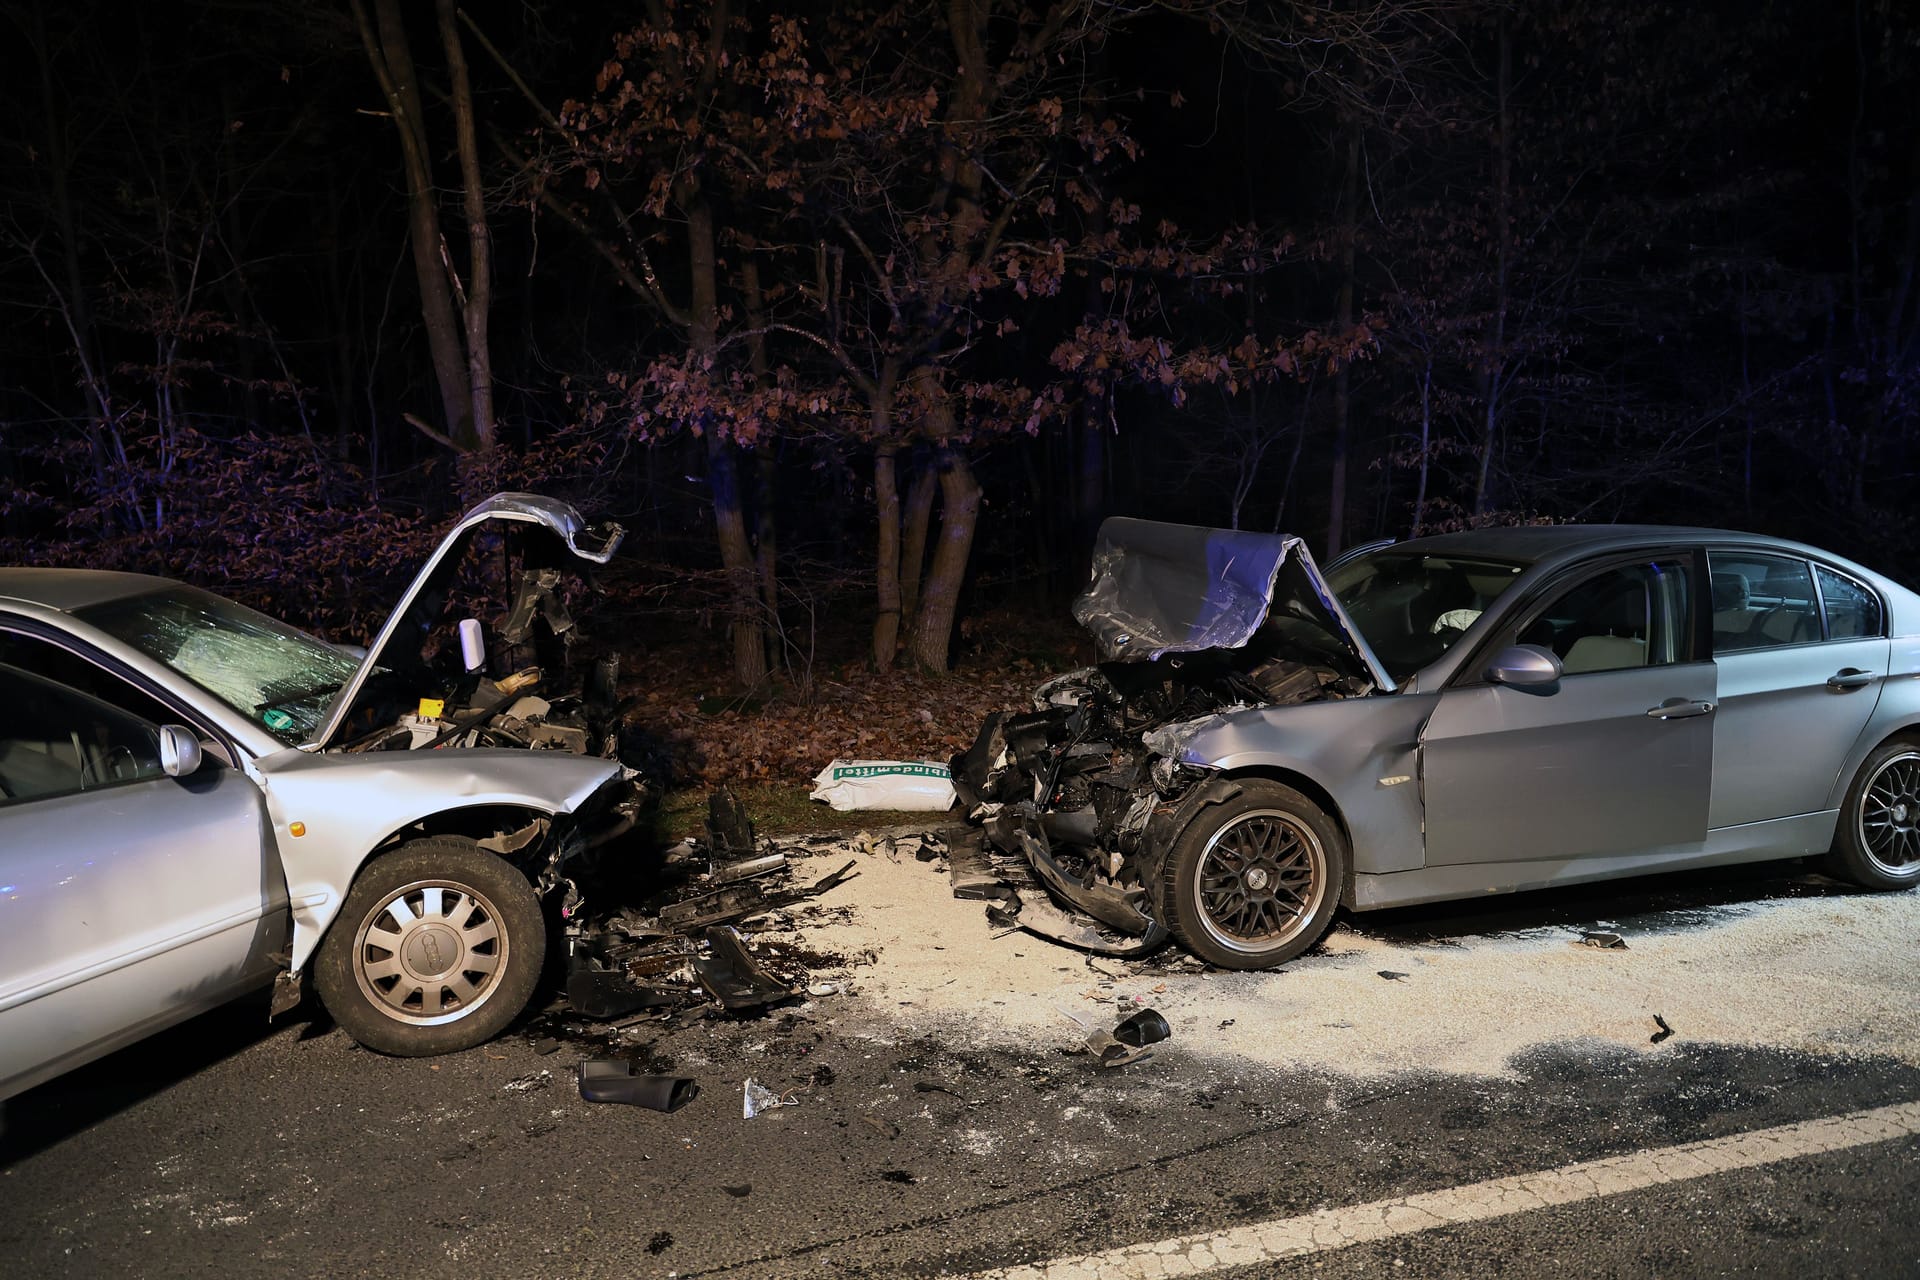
(1075, 803)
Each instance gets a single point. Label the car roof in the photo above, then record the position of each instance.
(70, 589)
(1534, 543)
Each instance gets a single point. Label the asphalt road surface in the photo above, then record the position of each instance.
(923, 1145)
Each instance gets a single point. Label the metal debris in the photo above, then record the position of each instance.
(1602, 939)
(758, 1098)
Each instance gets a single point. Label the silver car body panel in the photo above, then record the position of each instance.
(522, 508)
(174, 904)
(1800, 836)
(1361, 752)
(1510, 775)
(1763, 690)
(350, 804)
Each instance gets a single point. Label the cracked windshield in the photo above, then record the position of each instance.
(266, 670)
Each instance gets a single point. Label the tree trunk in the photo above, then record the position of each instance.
(765, 470)
(886, 505)
(929, 644)
(723, 472)
(913, 548)
(392, 62)
(478, 299)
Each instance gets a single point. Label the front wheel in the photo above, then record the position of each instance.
(1253, 882)
(1877, 845)
(437, 948)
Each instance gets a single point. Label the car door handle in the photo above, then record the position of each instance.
(1680, 709)
(1849, 678)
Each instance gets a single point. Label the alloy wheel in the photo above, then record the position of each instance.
(1889, 816)
(1261, 878)
(430, 953)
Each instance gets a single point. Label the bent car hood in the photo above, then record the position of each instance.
(592, 543)
(1176, 588)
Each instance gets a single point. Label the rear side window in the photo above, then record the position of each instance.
(1852, 610)
(1762, 601)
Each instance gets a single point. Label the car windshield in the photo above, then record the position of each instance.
(1412, 607)
(274, 674)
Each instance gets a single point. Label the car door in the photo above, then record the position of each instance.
(1802, 653)
(1613, 758)
(129, 899)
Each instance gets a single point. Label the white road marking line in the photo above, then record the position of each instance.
(1330, 1229)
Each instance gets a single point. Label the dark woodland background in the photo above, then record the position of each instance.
(862, 316)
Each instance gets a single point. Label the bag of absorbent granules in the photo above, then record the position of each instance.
(884, 784)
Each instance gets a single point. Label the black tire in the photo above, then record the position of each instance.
(1254, 881)
(456, 976)
(1877, 844)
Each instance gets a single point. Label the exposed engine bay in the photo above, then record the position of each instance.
(1074, 797)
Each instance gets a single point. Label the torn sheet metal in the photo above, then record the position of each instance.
(1175, 588)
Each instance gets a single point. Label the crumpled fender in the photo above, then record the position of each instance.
(348, 804)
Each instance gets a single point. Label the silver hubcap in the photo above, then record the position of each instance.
(1262, 876)
(1889, 820)
(431, 953)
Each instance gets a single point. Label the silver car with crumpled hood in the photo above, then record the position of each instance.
(1471, 713)
(197, 799)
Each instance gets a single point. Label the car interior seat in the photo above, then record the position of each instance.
(1621, 638)
(1733, 614)
(1794, 620)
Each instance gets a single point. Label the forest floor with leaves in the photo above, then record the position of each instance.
(678, 692)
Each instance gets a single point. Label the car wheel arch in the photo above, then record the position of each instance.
(316, 910)
(1871, 740)
(1223, 786)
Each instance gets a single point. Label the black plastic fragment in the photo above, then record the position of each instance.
(1602, 939)
(1142, 1029)
(613, 1080)
(732, 976)
(1662, 1033)
(1391, 975)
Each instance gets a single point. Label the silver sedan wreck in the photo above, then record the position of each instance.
(1472, 713)
(197, 799)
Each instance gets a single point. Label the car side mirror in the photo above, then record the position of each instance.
(1524, 666)
(179, 751)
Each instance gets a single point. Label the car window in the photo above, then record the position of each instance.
(1632, 615)
(55, 741)
(1761, 601)
(1852, 610)
(1410, 607)
(63, 666)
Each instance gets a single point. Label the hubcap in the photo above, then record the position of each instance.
(1889, 818)
(431, 953)
(1262, 876)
